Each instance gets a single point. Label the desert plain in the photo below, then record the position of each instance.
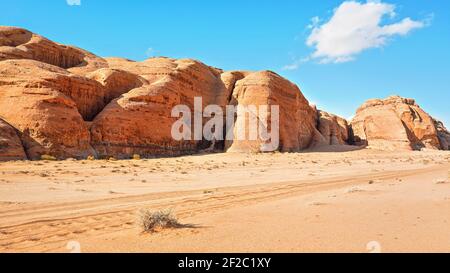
(339, 199)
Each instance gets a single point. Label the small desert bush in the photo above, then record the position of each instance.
(91, 157)
(151, 221)
(136, 157)
(441, 181)
(48, 157)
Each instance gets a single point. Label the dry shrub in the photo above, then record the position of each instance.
(152, 221)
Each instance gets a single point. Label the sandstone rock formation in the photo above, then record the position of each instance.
(394, 123)
(296, 117)
(17, 43)
(443, 135)
(66, 102)
(140, 121)
(47, 105)
(334, 130)
(10, 145)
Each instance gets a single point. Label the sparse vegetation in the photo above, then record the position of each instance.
(153, 221)
(48, 158)
(136, 157)
(441, 181)
(44, 175)
(91, 157)
(317, 204)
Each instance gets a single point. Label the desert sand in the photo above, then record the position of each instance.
(322, 201)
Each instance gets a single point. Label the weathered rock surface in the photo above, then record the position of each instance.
(115, 82)
(45, 103)
(394, 123)
(17, 43)
(443, 135)
(66, 102)
(10, 144)
(140, 121)
(334, 129)
(296, 117)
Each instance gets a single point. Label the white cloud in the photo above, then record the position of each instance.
(293, 66)
(314, 22)
(73, 2)
(353, 28)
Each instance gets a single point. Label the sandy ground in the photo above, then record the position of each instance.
(357, 201)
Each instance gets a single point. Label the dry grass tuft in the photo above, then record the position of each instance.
(153, 221)
(48, 158)
(441, 181)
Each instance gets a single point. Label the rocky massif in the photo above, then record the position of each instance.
(395, 123)
(66, 102)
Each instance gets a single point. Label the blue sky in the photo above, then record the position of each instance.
(409, 57)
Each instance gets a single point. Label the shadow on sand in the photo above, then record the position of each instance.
(334, 149)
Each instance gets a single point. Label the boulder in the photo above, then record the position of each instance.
(394, 123)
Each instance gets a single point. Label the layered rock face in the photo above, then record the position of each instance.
(333, 129)
(46, 104)
(17, 43)
(140, 121)
(66, 102)
(296, 117)
(70, 103)
(394, 123)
